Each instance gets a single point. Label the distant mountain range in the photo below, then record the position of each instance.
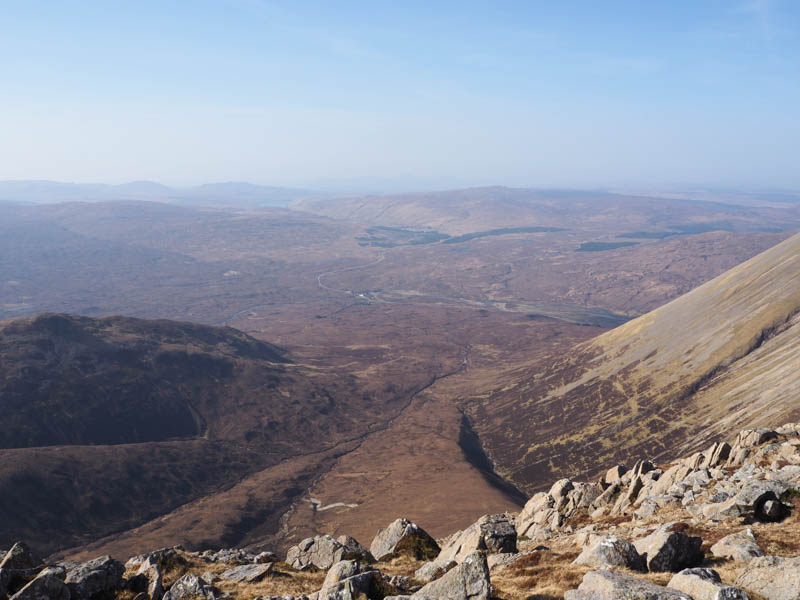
(231, 193)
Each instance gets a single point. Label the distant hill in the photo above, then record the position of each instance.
(467, 211)
(108, 423)
(725, 355)
(213, 194)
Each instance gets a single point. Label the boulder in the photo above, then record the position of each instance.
(493, 534)
(666, 550)
(561, 488)
(716, 455)
(165, 558)
(628, 497)
(349, 579)
(20, 557)
(251, 573)
(740, 546)
(404, 537)
(433, 570)
(772, 577)
(323, 551)
(96, 579)
(265, 557)
(757, 500)
(149, 579)
(611, 552)
(754, 437)
(353, 550)
(230, 556)
(610, 585)
(191, 586)
(537, 512)
(47, 585)
(705, 584)
(468, 581)
(670, 477)
(614, 474)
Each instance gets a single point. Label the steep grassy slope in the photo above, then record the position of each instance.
(720, 357)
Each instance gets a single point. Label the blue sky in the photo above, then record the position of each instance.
(402, 94)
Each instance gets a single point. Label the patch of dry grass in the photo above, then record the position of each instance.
(544, 575)
(282, 580)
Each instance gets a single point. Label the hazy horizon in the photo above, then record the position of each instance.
(384, 98)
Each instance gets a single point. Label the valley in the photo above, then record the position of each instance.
(427, 336)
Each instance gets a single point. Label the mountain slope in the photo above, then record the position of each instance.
(723, 356)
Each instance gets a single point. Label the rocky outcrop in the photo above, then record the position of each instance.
(323, 551)
(20, 557)
(433, 570)
(611, 552)
(349, 579)
(148, 578)
(251, 573)
(740, 546)
(705, 584)
(192, 586)
(550, 510)
(666, 550)
(403, 537)
(47, 585)
(772, 577)
(468, 581)
(97, 579)
(492, 534)
(610, 585)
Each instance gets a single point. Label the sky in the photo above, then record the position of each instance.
(384, 95)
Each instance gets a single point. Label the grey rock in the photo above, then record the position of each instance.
(251, 573)
(403, 537)
(20, 557)
(757, 500)
(670, 477)
(231, 556)
(353, 550)
(740, 546)
(165, 558)
(191, 586)
(610, 585)
(491, 533)
(433, 570)
(148, 578)
(47, 585)
(717, 454)
(538, 512)
(349, 579)
(614, 474)
(95, 579)
(667, 550)
(705, 584)
(608, 496)
(323, 551)
(561, 488)
(611, 552)
(265, 557)
(754, 437)
(772, 577)
(468, 581)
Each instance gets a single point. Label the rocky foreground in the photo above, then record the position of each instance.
(718, 525)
